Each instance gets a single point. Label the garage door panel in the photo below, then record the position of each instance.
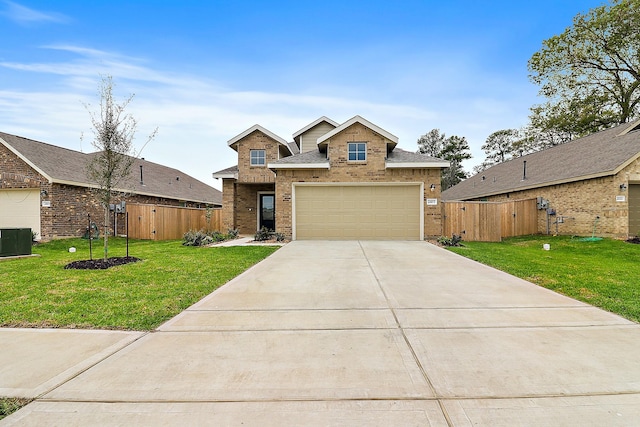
(20, 209)
(371, 212)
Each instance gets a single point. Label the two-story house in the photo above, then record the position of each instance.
(334, 181)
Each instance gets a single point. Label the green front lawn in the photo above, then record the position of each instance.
(603, 273)
(9, 405)
(39, 292)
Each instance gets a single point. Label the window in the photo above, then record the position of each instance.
(357, 151)
(257, 158)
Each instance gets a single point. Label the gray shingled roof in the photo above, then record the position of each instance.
(231, 169)
(294, 148)
(66, 166)
(310, 157)
(401, 156)
(600, 154)
(396, 156)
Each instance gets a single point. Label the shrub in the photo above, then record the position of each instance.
(279, 237)
(233, 233)
(263, 234)
(217, 236)
(196, 238)
(453, 241)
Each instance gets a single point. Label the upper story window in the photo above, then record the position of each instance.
(357, 151)
(258, 158)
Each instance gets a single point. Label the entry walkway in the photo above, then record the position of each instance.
(359, 334)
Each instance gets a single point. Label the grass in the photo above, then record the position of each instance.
(9, 405)
(602, 273)
(39, 292)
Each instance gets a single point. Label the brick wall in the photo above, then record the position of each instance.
(579, 203)
(256, 174)
(247, 206)
(228, 204)
(70, 205)
(66, 215)
(372, 170)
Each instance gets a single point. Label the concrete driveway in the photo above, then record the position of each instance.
(362, 333)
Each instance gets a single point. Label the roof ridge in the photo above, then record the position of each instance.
(41, 142)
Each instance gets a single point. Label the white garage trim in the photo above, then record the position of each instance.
(419, 186)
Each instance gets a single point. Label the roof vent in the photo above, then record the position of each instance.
(524, 170)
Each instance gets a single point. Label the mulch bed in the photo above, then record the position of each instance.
(635, 240)
(100, 264)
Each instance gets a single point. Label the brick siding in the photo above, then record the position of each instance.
(579, 203)
(69, 205)
(372, 170)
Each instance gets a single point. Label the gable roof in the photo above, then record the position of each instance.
(63, 166)
(600, 154)
(282, 143)
(314, 124)
(392, 140)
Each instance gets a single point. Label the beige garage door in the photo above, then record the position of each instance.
(364, 212)
(20, 209)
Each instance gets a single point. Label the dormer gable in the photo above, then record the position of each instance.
(390, 139)
(283, 146)
(307, 137)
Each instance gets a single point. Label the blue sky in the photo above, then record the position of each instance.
(204, 71)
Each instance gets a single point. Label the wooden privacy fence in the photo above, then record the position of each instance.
(153, 222)
(490, 221)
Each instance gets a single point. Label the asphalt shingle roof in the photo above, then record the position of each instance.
(401, 156)
(396, 156)
(600, 154)
(310, 157)
(231, 169)
(62, 165)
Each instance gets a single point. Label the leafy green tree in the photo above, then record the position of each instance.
(454, 149)
(114, 131)
(500, 145)
(589, 74)
(431, 143)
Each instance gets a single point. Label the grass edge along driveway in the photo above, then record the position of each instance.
(39, 292)
(601, 273)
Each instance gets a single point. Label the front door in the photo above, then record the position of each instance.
(267, 211)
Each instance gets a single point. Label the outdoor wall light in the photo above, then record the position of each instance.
(623, 187)
(433, 187)
(43, 193)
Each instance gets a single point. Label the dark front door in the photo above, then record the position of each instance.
(267, 211)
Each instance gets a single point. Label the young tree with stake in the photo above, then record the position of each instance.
(114, 131)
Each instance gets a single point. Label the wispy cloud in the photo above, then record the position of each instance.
(196, 115)
(27, 16)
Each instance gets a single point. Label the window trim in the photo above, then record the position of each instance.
(262, 158)
(357, 152)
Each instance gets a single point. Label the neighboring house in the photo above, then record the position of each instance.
(334, 181)
(45, 188)
(590, 185)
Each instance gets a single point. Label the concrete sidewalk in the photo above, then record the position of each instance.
(358, 333)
